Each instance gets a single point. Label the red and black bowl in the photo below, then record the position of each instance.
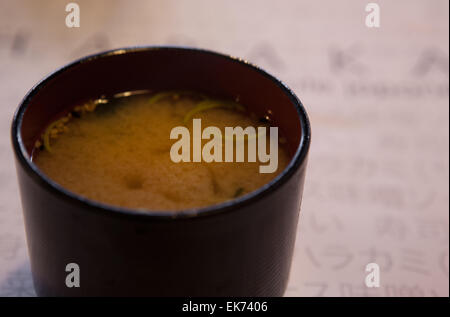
(241, 247)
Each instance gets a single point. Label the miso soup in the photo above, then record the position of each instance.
(116, 150)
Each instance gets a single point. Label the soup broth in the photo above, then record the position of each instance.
(117, 151)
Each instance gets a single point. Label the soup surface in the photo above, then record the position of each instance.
(117, 151)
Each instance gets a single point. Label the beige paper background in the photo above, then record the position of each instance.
(377, 185)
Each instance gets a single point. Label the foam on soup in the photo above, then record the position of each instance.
(117, 151)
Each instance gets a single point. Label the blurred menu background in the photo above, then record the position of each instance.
(378, 98)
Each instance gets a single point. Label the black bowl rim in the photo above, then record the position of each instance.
(32, 170)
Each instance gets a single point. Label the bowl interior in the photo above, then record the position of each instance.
(159, 69)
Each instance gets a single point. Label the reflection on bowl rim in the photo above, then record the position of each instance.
(229, 205)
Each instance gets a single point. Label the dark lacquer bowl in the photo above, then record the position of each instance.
(241, 247)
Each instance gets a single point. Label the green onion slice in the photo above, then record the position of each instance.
(211, 104)
(46, 135)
